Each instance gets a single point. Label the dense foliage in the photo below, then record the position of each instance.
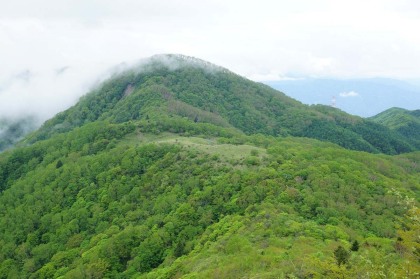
(151, 183)
(403, 121)
(176, 86)
(99, 206)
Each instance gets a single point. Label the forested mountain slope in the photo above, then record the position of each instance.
(108, 200)
(404, 121)
(184, 86)
(142, 180)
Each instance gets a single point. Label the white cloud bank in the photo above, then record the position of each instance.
(53, 51)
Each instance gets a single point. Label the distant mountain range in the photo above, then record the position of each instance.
(363, 97)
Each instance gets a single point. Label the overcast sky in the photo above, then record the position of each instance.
(52, 51)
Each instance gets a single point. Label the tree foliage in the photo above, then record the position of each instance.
(171, 179)
(214, 95)
(341, 255)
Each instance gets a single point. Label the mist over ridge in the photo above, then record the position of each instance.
(42, 94)
(212, 139)
(37, 113)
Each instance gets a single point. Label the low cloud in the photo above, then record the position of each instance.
(349, 94)
(50, 57)
(40, 94)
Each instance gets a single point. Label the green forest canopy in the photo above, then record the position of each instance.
(155, 184)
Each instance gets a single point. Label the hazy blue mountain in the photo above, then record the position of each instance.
(363, 97)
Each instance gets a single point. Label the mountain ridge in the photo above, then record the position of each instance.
(403, 121)
(146, 177)
(248, 106)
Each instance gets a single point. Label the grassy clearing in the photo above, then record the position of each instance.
(208, 145)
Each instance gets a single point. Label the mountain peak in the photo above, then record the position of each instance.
(165, 87)
(175, 61)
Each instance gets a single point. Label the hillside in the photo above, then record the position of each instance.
(187, 87)
(155, 175)
(403, 121)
